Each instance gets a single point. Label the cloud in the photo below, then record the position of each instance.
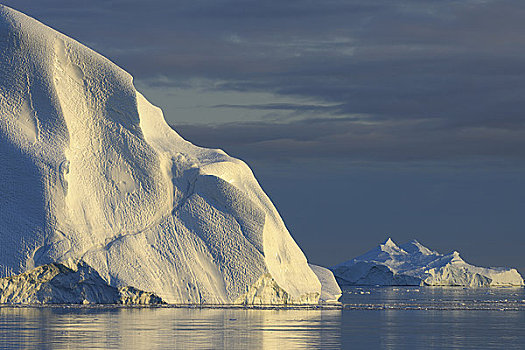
(299, 109)
(373, 79)
(355, 139)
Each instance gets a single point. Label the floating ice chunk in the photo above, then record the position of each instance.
(330, 290)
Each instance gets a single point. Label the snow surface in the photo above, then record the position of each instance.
(414, 264)
(90, 172)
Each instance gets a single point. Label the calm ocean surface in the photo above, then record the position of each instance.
(382, 318)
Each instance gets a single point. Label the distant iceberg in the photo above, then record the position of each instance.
(412, 264)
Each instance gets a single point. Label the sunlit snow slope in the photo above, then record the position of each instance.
(91, 172)
(414, 264)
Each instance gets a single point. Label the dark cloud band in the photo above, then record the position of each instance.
(354, 139)
(386, 80)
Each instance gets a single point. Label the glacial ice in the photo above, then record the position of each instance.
(57, 284)
(413, 264)
(91, 174)
(330, 290)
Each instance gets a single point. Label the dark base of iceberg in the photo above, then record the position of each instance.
(58, 284)
(379, 275)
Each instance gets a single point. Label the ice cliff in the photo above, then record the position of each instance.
(91, 175)
(330, 290)
(413, 264)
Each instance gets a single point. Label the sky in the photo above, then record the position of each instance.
(362, 120)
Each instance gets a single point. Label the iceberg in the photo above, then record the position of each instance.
(413, 264)
(92, 176)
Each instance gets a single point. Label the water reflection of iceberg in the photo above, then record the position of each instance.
(168, 328)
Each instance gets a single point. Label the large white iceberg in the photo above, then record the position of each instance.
(90, 172)
(412, 264)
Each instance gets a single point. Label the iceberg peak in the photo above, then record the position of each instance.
(390, 248)
(414, 247)
(390, 243)
(456, 258)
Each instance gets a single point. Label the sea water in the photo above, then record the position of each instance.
(369, 318)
